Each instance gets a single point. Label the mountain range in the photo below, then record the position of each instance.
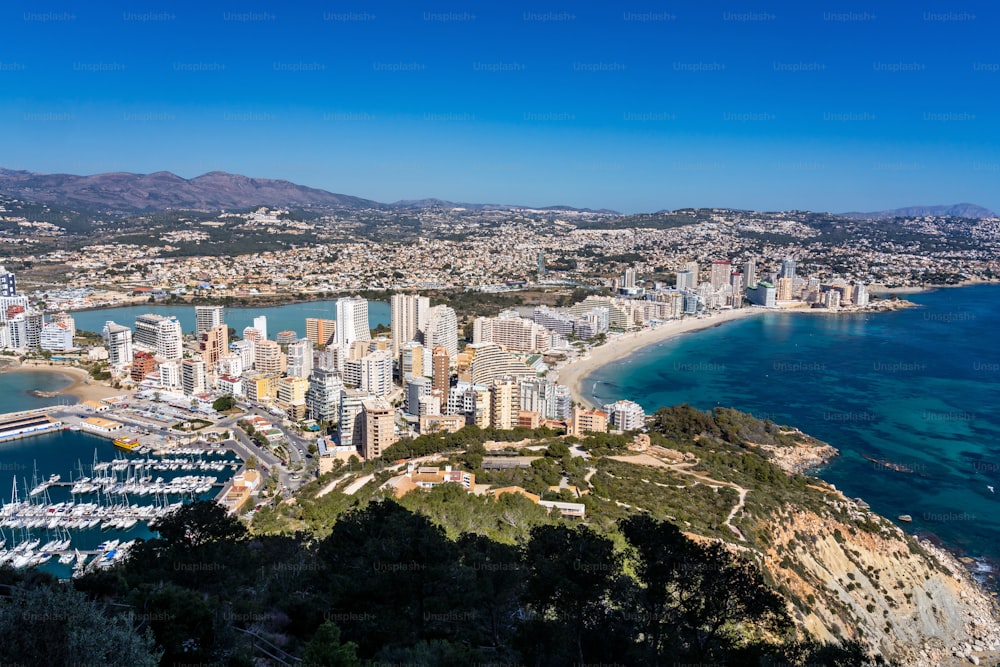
(161, 190)
(955, 210)
(127, 192)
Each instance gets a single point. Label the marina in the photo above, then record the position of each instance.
(88, 517)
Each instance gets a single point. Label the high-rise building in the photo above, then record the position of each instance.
(246, 349)
(720, 274)
(860, 295)
(8, 284)
(628, 280)
(193, 377)
(764, 294)
(351, 420)
(513, 333)
(411, 360)
(352, 321)
(588, 421)
(230, 364)
(626, 415)
(488, 362)
(260, 324)
(213, 344)
(787, 268)
(416, 388)
(442, 372)
(11, 305)
(207, 317)
(751, 273)
(253, 335)
(323, 395)
(409, 314)
(292, 396)
(56, 337)
(170, 374)
(736, 282)
(442, 329)
(118, 340)
(320, 331)
(159, 335)
(686, 280)
(784, 292)
(143, 363)
(504, 403)
(268, 357)
(379, 427)
(376, 373)
(286, 337)
(64, 318)
(300, 358)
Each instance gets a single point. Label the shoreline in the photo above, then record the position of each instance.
(80, 385)
(572, 374)
(575, 372)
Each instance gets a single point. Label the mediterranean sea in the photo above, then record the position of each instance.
(919, 387)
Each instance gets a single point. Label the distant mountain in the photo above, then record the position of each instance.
(956, 210)
(164, 190)
(442, 203)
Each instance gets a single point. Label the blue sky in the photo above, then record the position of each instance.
(637, 106)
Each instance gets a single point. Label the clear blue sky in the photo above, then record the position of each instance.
(635, 106)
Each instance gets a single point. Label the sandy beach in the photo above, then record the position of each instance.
(572, 374)
(81, 385)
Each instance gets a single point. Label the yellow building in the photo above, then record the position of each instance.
(588, 421)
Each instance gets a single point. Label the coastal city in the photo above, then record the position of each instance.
(388, 335)
(346, 391)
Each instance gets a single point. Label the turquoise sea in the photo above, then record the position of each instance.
(919, 387)
(291, 317)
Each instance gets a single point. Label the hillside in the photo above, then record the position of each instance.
(844, 572)
(125, 192)
(951, 210)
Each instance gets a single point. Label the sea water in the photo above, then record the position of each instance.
(918, 387)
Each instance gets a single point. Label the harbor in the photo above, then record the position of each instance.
(87, 516)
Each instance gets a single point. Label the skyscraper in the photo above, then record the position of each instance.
(260, 324)
(213, 343)
(118, 339)
(376, 373)
(442, 329)
(686, 280)
(860, 295)
(442, 374)
(352, 321)
(379, 427)
(300, 358)
(268, 357)
(720, 274)
(320, 331)
(787, 268)
(193, 377)
(751, 273)
(206, 317)
(8, 285)
(409, 314)
(350, 418)
(323, 395)
(629, 279)
(159, 335)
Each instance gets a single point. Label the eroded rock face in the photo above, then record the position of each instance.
(909, 600)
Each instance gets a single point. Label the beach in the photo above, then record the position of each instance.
(619, 347)
(80, 384)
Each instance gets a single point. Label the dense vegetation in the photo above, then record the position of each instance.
(388, 585)
(448, 577)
